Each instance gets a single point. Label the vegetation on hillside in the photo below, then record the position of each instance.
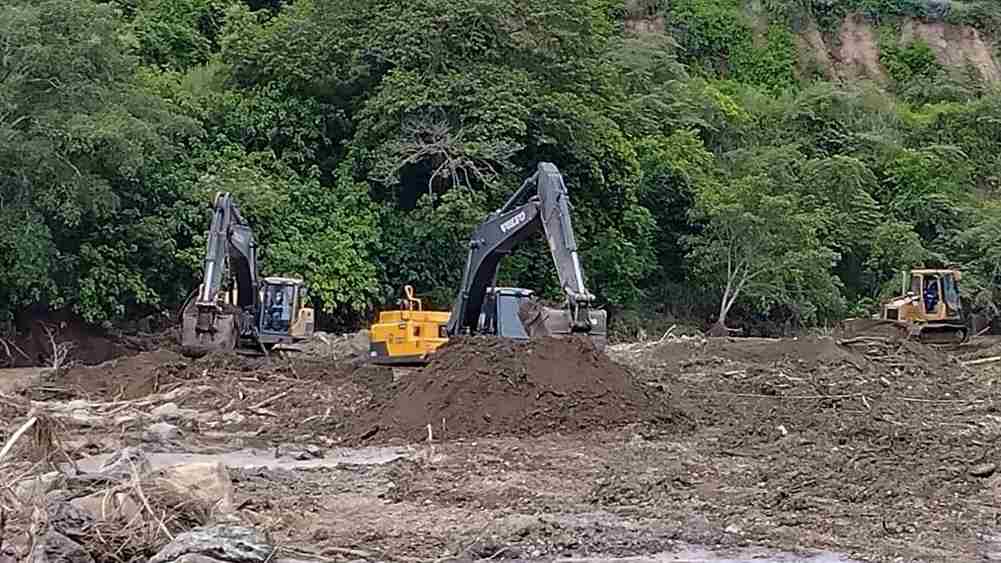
(709, 170)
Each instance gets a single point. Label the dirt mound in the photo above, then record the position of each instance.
(482, 386)
(125, 378)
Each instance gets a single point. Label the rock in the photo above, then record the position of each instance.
(208, 482)
(233, 418)
(54, 547)
(161, 432)
(983, 470)
(170, 411)
(68, 520)
(234, 544)
(38, 486)
(81, 417)
(122, 462)
(314, 451)
(104, 507)
(8, 554)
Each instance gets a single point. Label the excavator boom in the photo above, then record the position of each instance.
(548, 211)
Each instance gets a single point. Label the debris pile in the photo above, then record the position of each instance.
(124, 512)
(483, 386)
(894, 428)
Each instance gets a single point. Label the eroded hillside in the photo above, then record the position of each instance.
(855, 46)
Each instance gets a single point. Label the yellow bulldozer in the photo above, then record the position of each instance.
(928, 310)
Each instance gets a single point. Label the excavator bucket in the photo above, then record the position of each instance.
(540, 320)
(208, 329)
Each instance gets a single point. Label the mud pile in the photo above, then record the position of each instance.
(124, 378)
(485, 386)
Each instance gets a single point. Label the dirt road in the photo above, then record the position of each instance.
(798, 449)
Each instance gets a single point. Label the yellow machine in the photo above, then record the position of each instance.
(407, 335)
(928, 310)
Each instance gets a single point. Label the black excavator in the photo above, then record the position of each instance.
(483, 308)
(234, 308)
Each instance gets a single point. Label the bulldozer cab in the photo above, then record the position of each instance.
(935, 294)
(282, 314)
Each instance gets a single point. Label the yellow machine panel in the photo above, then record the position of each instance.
(407, 335)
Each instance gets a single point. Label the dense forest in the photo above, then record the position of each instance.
(745, 153)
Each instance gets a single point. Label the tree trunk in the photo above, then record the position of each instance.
(718, 330)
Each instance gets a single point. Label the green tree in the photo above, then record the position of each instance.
(759, 245)
(78, 138)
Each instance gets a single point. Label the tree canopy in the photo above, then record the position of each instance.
(710, 161)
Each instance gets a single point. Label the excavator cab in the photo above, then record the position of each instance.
(282, 316)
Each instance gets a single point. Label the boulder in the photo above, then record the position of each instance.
(172, 412)
(54, 547)
(38, 486)
(102, 506)
(120, 464)
(208, 482)
(67, 519)
(161, 432)
(233, 544)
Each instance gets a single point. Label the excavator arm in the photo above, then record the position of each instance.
(548, 211)
(229, 238)
(208, 324)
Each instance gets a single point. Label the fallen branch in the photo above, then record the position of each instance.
(8, 345)
(268, 401)
(666, 334)
(349, 552)
(980, 361)
(17, 436)
(142, 496)
(864, 340)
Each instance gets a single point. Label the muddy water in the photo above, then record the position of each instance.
(695, 554)
(255, 458)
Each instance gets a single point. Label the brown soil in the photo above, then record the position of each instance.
(858, 56)
(88, 344)
(487, 386)
(883, 451)
(125, 378)
(830, 437)
(955, 46)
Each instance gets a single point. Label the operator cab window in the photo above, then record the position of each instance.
(508, 321)
(279, 301)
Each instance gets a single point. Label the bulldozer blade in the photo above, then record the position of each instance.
(873, 328)
(197, 340)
